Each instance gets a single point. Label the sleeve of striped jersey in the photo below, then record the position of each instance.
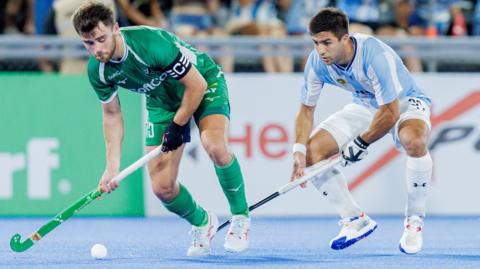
(105, 91)
(383, 74)
(312, 85)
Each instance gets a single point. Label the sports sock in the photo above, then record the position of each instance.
(419, 177)
(231, 180)
(184, 206)
(334, 186)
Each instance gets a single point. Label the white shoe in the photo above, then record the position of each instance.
(202, 236)
(237, 238)
(412, 241)
(353, 230)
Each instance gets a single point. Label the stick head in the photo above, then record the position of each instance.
(18, 246)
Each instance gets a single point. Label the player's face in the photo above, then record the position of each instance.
(101, 41)
(329, 47)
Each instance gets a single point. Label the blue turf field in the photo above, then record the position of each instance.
(449, 242)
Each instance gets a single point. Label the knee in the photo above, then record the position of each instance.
(315, 155)
(163, 184)
(415, 146)
(218, 152)
(165, 191)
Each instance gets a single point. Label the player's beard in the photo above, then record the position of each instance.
(109, 53)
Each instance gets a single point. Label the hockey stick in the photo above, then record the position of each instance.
(313, 171)
(18, 246)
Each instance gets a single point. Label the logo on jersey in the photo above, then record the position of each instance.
(341, 81)
(177, 70)
(123, 81)
(115, 74)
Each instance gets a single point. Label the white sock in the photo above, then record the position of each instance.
(334, 186)
(419, 178)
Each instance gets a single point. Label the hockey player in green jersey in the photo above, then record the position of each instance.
(180, 83)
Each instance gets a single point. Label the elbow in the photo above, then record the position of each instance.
(203, 86)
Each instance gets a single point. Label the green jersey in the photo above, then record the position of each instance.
(153, 62)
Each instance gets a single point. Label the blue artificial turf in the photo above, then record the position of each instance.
(276, 242)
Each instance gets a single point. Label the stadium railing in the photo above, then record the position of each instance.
(430, 51)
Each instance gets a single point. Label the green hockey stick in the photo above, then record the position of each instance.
(18, 246)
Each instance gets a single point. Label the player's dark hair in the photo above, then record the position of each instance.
(89, 14)
(329, 20)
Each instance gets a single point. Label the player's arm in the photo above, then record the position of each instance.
(385, 118)
(195, 86)
(113, 131)
(304, 124)
(383, 73)
(303, 128)
(310, 92)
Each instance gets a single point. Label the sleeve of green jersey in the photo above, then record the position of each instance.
(169, 55)
(105, 90)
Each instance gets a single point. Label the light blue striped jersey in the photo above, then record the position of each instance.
(376, 75)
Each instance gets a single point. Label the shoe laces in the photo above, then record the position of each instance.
(198, 236)
(238, 226)
(346, 222)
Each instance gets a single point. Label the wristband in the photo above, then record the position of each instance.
(297, 147)
(361, 143)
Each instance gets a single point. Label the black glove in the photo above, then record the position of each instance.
(173, 137)
(355, 151)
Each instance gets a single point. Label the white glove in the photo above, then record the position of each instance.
(355, 151)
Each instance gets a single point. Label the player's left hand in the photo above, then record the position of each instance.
(173, 137)
(355, 151)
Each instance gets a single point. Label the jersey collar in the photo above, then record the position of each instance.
(353, 58)
(125, 51)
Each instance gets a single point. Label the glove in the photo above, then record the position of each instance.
(173, 137)
(355, 151)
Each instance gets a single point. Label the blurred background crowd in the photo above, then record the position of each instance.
(260, 18)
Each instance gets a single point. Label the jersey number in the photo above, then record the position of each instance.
(416, 104)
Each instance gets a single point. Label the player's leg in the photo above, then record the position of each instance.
(213, 134)
(212, 118)
(413, 132)
(332, 185)
(175, 197)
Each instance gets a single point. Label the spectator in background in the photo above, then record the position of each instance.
(297, 15)
(476, 20)
(259, 18)
(141, 12)
(403, 22)
(193, 17)
(41, 9)
(364, 14)
(18, 17)
(59, 22)
(440, 15)
(196, 18)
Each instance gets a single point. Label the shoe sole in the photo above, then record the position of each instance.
(404, 251)
(234, 250)
(353, 240)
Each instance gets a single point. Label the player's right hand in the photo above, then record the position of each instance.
(106, 184)
(299, 163)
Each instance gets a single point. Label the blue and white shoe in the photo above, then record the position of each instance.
(353, 230)
(412, 241)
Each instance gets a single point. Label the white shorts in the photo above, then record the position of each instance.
(354, 119)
